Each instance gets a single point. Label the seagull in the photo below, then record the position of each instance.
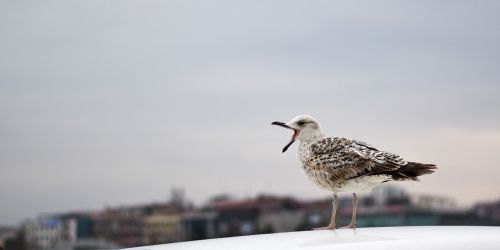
(343, 165)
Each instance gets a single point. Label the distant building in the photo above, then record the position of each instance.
(126, 226)
(198, 225)
(384, 195)
(280, 221)
(162, 228)
(433, 202)
(317, 214)
(8, 236)
(120, 226)
(489, 211)
(45, 232)
(236, 217)
(87, 243)
(264, 214)
(84, 223)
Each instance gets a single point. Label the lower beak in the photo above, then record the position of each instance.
(295, 133)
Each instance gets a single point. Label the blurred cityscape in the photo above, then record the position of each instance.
(178, 220)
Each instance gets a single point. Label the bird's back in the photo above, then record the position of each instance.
(334, 163)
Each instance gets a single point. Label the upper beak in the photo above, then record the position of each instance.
(282, 124)
(295, 133)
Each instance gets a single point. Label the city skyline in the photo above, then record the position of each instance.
(177, 221)
(116, 103)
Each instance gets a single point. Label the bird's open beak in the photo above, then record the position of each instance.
(295, 133)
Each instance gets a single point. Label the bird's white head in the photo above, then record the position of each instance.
(304, 127)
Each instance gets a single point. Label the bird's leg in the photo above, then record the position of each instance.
(335, 204)
(354, 210)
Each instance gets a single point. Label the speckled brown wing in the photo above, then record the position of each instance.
(343, 159)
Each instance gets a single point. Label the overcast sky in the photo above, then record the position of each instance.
(115, 102)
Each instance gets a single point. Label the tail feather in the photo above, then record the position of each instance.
(412, 170)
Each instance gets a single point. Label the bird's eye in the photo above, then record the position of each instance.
(301, 123)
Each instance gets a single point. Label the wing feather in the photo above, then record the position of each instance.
(345, 159)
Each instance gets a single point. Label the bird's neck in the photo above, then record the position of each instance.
(307, 139)
(310, 136)
(305, 142)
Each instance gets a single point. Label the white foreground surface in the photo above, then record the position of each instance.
(436, 237)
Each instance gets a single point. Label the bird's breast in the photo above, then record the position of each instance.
(320, 178)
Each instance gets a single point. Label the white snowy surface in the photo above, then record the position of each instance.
(433, 237)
